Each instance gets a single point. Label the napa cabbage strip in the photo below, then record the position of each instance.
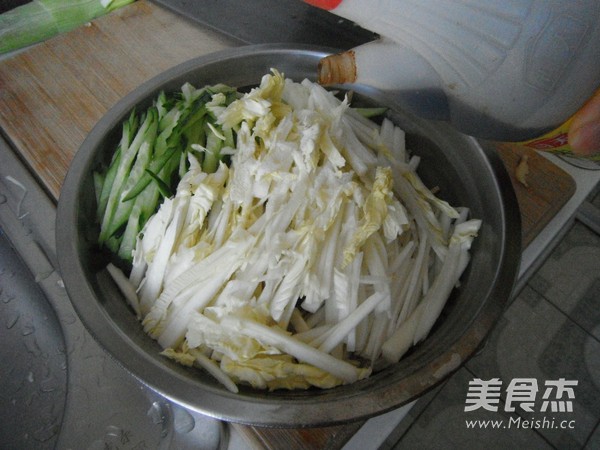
(313, 258)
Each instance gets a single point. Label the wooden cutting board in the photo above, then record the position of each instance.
(542, 192)
(52, 94)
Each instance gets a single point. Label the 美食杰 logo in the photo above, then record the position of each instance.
(521, 395)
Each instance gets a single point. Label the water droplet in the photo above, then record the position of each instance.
(112, 431)
(12, 319)
(46, 432)
(30, 377)
(159, 413)
(156, 413)
(183, 421)
(32, 346)
(27, 328)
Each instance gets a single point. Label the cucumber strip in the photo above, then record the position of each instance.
(125, 250)
(155, 166)
(145, 205)
(163, 187)
(98, 184)
(212, 156)
(170, 173)
(128, 155)
(152, 155)
(164, 106)
(142, 161)
(183, 165)
(194, 117)
(166, 175)
(135, 222)
(166, 126)
(195, 135)
(112, 244)
(123, 208)
(371, 112)
(108, 182)
(131, 127)
(186, 123)
(229, 138)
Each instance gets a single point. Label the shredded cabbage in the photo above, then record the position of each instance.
(316, 253)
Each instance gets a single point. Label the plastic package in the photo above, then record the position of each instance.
(509, 70)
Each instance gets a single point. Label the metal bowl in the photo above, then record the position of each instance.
(467, 175)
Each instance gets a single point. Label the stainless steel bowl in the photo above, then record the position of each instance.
(467, 175)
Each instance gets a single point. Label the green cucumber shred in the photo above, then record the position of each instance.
(151, 157)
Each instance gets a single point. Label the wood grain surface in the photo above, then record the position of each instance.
(543, 191)
(52, 94)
